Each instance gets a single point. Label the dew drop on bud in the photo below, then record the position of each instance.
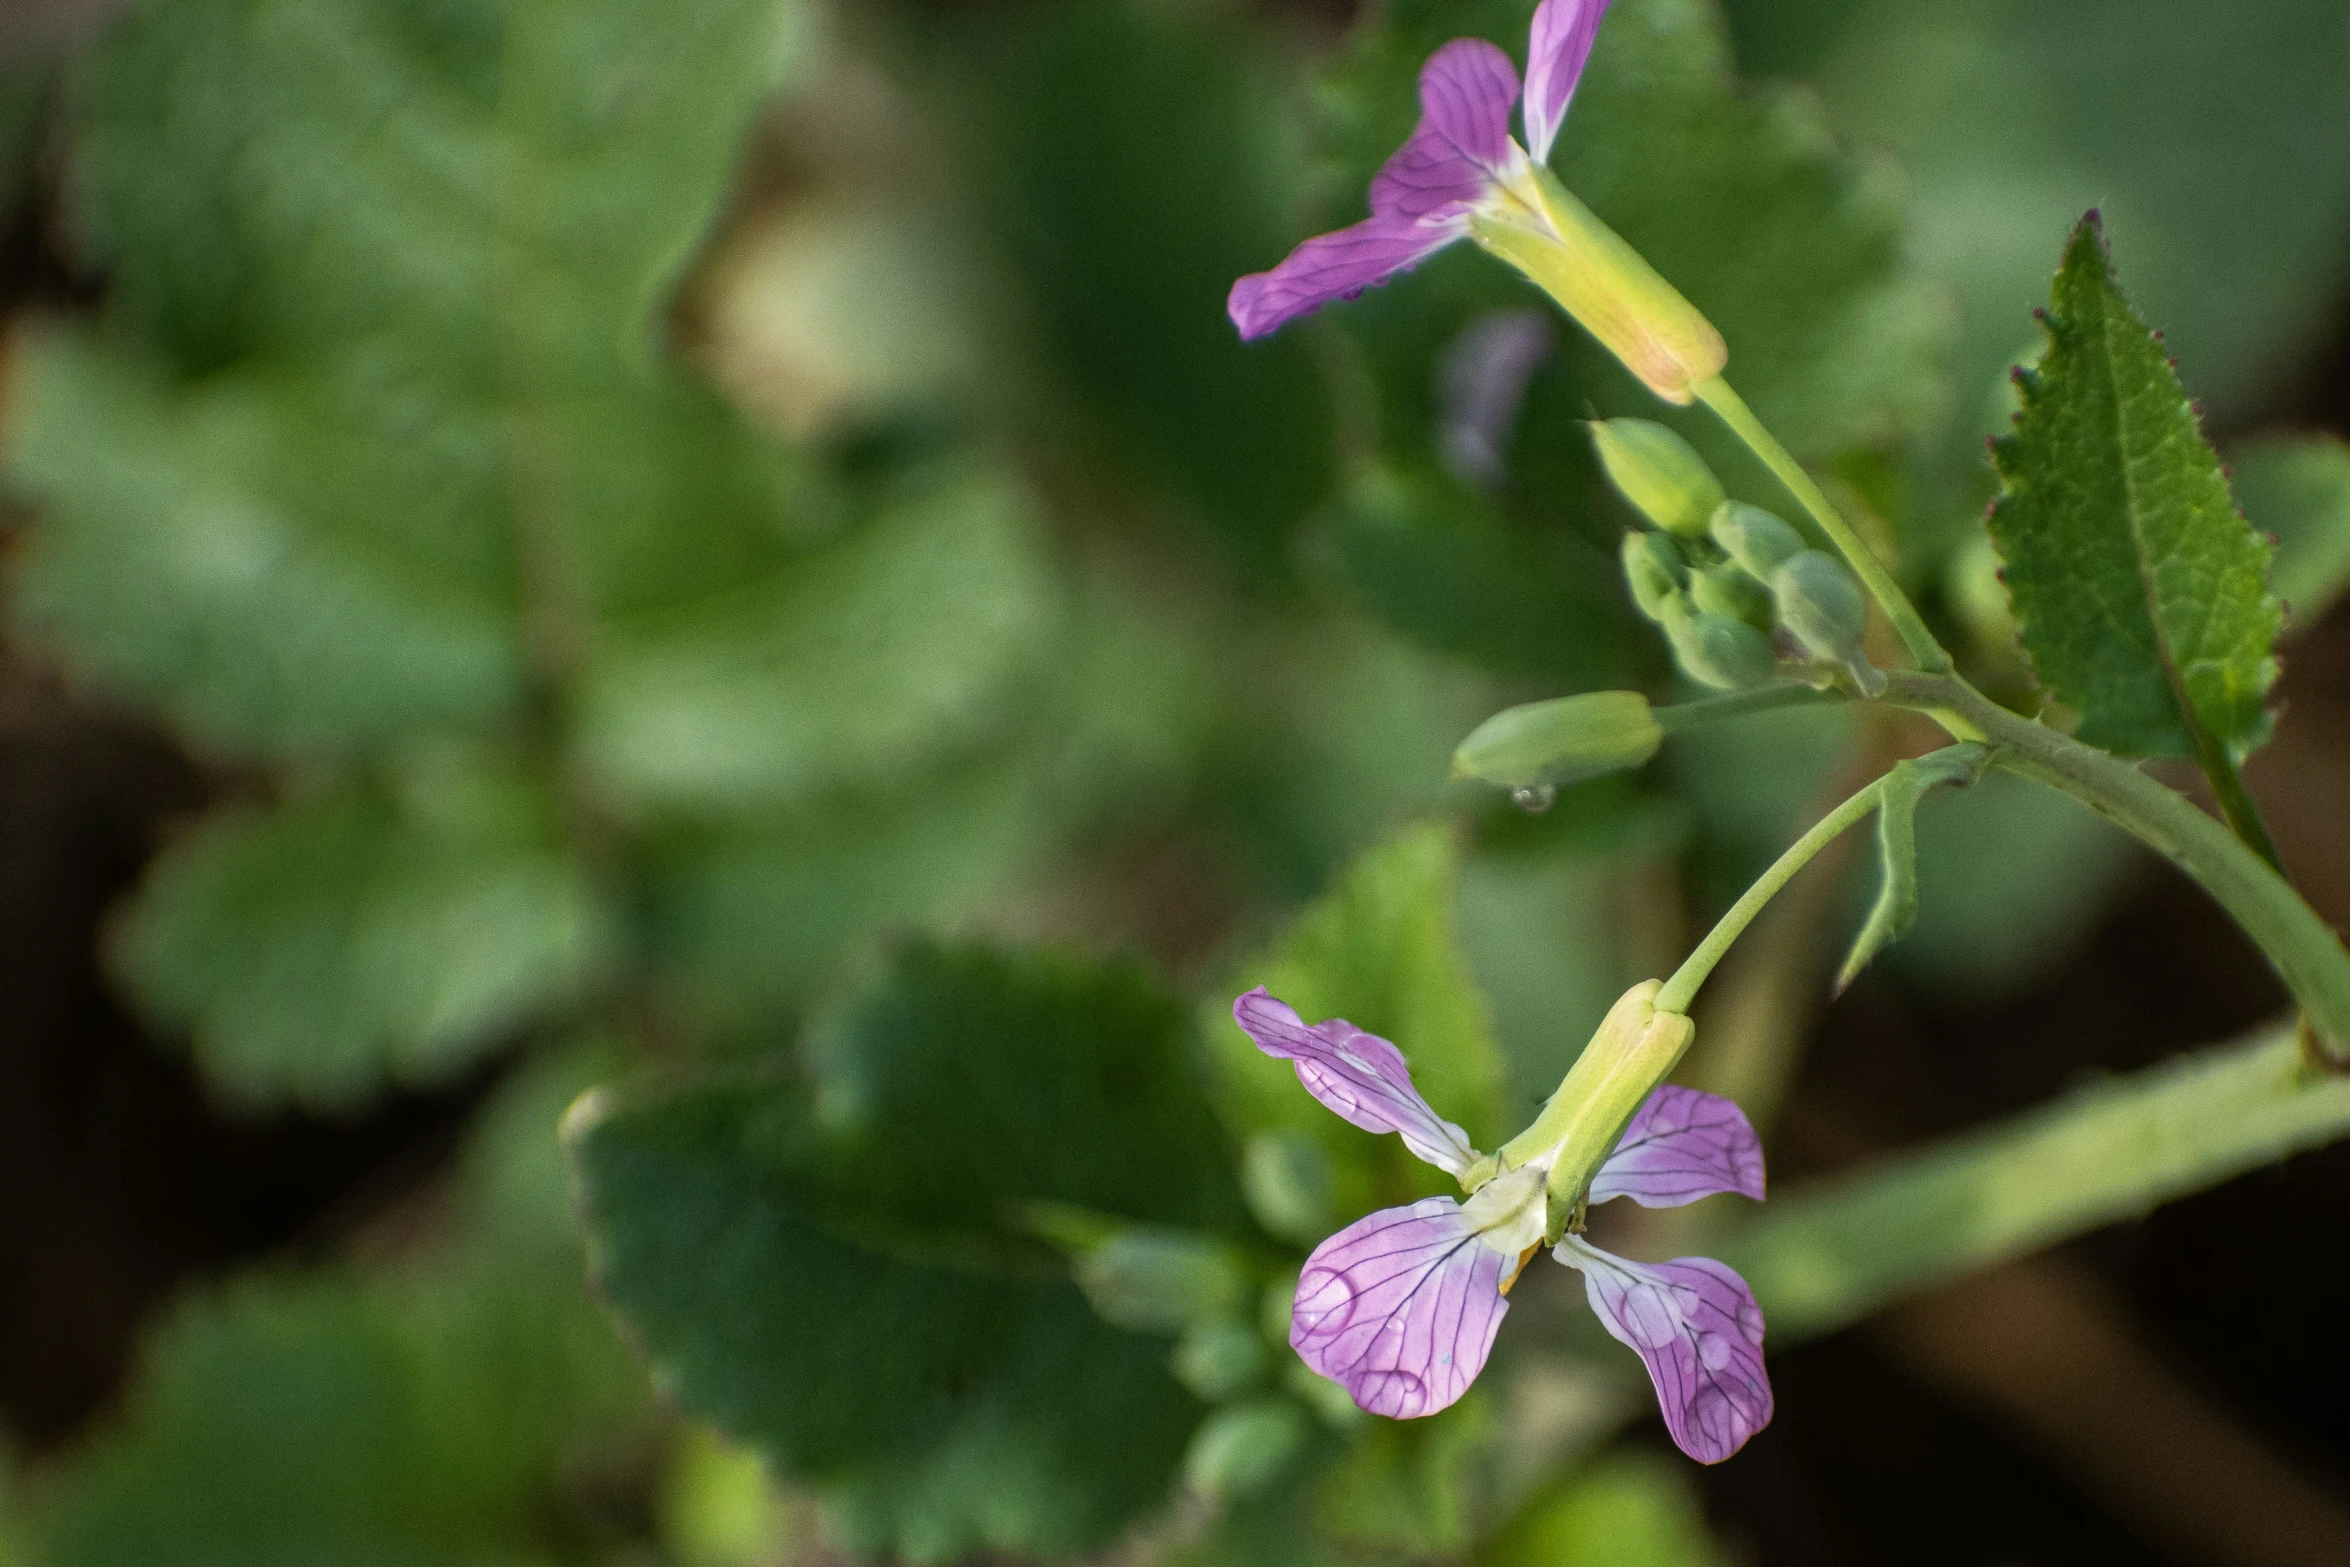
(1534, 799)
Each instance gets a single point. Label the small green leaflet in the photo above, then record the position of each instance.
(2142, 593)
(1898, 793)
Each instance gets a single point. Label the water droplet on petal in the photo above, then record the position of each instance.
(1534, 799)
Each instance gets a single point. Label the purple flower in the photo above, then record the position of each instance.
(1460, 157)
(1401, 1307)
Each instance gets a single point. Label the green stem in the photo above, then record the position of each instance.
(1685, 716)
(1826, 1258)
(2304, 949)
(1681, 989)
(1924, 651)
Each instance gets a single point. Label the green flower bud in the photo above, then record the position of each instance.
(1716, 651)
(1560, 741)
(1654, 569)
(1724, 589)
(1659, 473)
(1756, 540)
(1238, 1450)
(1220, 1358)
(1821, 606)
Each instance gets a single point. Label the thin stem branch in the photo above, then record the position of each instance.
(1681, 989)
(1682, 717)
(2304, 949)
(1924, 651)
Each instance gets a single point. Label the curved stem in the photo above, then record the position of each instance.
(1927, 653)
(1681, 989)
(2304, 949)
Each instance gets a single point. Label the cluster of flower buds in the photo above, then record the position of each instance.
(1742, 598)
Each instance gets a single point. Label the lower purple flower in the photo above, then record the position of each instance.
(1401, 1308)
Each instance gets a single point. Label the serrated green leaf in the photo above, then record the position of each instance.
(2141, 593)
(1380, 951)
(842, 1280)
(2297, 488)
(326, 949)
(1898, 793)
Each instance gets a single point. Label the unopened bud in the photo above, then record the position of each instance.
(1821, 606)
(1560, 741)
(1724, 589)
(1716, 651)
(1756, 540)
(1655, 571)
(1659, 473)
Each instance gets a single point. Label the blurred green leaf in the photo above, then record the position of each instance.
(2142, 596)
(2297, 488)
(1379, 949)
(250, 554)
(2216, 140)
(332, 1422)
(894, 644)
(1404, 1485)
(1625, 1510)
(840, 1277)
(1445, 567)
(324, 949)
(1138, 163)
(978, 1081)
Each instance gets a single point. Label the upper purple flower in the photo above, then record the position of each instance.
(1460, 155)
(1401, 1307)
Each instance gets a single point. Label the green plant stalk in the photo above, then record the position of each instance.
(1823, 1259)
(1681, 989)
(1924, 651)
(2304, 949)
(1682, 717)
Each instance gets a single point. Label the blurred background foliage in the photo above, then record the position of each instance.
(726, 554)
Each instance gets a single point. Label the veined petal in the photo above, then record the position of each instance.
(1400, 1308)
(1682, 1145)
(1695, 1325)
(1556, 51)
(1332, 267)
(1462, 144)
(1359, 1076)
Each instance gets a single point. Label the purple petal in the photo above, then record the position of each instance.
(1695, 1324)
(1683, 1145)
(1332, 267)
(1420, 198)
(1360, 1076)
(1462, 143)
(1556, 52)
(1400, 1308)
